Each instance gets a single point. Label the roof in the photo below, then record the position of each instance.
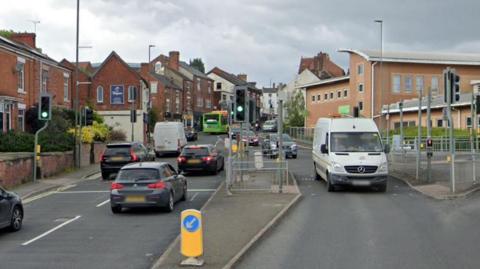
(228, 76)
(194, 71)
(165, 81)
(418, 57)
(114, 54)
(326, 81)
(437, 102)
(269, 90)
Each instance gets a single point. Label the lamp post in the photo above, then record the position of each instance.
(380, 22)
(75, 103)
(149, 97)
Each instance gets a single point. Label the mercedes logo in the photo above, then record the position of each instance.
(361, 169)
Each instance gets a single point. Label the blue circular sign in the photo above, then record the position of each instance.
(191, 223)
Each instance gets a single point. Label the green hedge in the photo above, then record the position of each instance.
(24, 142)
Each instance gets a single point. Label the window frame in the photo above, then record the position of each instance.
(131, 90)
(100, 87)
(422, 79)
(66, 82)
(406, 84)
(21, 74)
(360, 69)
(360, 87)
(394, 84)
(360, 106)
(345, 93)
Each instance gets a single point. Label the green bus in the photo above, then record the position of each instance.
(215, 122)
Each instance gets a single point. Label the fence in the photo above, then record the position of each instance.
(439, 144)
(304, 134)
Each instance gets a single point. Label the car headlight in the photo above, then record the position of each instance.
(293, 147)
(383, 168)
(273, 146)
(337, 167)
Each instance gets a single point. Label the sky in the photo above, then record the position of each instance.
(262, 38)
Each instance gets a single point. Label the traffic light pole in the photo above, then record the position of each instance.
(473, 118)
(35, 151)
(448, 88)
(429, 136)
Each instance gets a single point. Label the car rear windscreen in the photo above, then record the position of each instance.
(118, 151)
(203, 151)
(138, 174)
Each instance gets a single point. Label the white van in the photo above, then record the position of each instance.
(169, 137)
(349, 152)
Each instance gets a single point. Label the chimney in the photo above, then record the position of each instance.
(144, 68)
(273, 85)
(242, 77)
(174, 58)
(24, 38)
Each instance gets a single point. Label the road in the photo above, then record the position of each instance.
(364, 229)
(76, 229)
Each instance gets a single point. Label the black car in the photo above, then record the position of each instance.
(119, 154)
(11, 211)
(191, 135)
(200, 158)
(148, 184)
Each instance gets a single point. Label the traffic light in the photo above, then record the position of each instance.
(455, 82)
(88, 116)
(133, 115)
(477, 103)
(45, 108)
(429, 142)
(240, 105)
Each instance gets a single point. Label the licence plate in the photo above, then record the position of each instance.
(135, 199)
(194, 161)
(117, 158)
(361, 183)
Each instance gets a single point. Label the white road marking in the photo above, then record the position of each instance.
(51, 231)
(201, 190)
(103, 203)
(73, 192)
(193, 197)
(42, 195)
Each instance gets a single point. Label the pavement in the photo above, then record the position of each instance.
(232, 225)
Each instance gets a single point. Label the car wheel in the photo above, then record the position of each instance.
(184, 196)
(105, 176)
(215, 170)
(294, 156)
(317, 176)
(382, 188)
(330, 186)
(170, 204)
(117, 209)
(17, 219)
(158, 155)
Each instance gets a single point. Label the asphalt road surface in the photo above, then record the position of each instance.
(365, 229)
(75, 228)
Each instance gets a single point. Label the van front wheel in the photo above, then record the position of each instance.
(317, 176)
(330, 186)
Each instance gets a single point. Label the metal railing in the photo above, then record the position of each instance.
(301, 133)
(439, 144)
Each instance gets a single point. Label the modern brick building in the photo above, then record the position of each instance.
(26, 72)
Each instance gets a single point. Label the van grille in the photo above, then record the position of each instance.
(361, 169)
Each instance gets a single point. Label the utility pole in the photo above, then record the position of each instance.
(280, 145)
(429, 137)
(473, 118)
(76, 101)
(228, 179)
(448, 91)
(419, 135)
(400, 107)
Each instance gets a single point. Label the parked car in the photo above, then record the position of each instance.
(116, 155)
(270, 126)
(252, 138)
(11, 210)
(147, 184)
(270, 146)
(169, 137)
(200, 158)
(349, 152)
(191, 134)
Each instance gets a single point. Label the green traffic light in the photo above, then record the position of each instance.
(44, 114)
(239, 108)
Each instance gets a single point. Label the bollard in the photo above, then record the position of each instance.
(191, 232)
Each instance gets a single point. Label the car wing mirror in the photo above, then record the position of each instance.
(386, 149)
(324, 149)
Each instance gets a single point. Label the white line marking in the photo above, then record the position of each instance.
(193, 197)
(201, 190)
(51, 231)
(103, 203)
(73, 192)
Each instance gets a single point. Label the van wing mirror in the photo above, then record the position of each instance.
(386, 149)
(324, 149)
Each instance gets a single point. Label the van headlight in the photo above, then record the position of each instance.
(293, 147)
(383, 168)
(273, 146)
(337, 167)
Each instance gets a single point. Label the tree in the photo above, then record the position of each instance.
(6, 33)
(198, 64)
(296, 110)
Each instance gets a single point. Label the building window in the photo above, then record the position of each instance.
(419, 83)
(99, 94)
(411, 124)
(339, 94)
(8, 116)
(408, 83)
(331, 95)
(159, 69)
(325, 97)
(345, 93)
(21, 74)
(153, 87)
(209, 86)
(360, 69)
(44, 80)
(199, 101)
(177, 101)
(313, 98)
(208, 104)
(21, 120)
(396, 83)
(440, 123)
(198, 84)
(434, 85)
(360, 106)
(132, 93)
(1, 116)
(318, 97)
(224, 97)
(65, 89)
(469, 122)
(167, 105)
(360, 87)
(219, 85)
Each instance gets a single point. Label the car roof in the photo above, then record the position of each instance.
(119, 144)
(148, 165)
(199, 146)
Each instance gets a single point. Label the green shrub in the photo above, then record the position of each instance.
(24, 142)
(117, 135)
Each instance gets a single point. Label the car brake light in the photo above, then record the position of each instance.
(133, 156)
(116, 186)
(102, 157)
(181, 159)
(157, 185)
(207, 159)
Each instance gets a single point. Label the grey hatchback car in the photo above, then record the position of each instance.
(147, 184)
(11, 211)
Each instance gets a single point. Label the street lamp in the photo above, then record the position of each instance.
(35, 22)
(149, 96)
(380, 22)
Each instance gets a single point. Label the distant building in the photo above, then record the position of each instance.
(269, 102)
(321, 66)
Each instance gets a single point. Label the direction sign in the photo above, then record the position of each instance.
(191, 223)
(191, 233)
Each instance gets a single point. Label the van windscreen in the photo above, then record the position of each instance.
(355, 142)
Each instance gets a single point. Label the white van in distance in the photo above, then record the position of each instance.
(349, 152)
(168, 137)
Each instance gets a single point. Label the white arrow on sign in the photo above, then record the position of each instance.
(189, 224)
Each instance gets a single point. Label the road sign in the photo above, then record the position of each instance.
(191, 233)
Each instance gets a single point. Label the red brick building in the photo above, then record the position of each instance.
(321, 66)
(84, 90)
(25, 72)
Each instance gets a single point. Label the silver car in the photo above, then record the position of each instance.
(147, 184)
